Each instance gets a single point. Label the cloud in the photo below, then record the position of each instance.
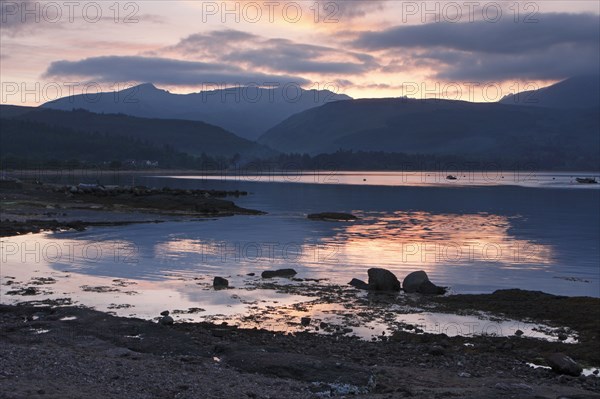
(227, 57)
(286, 55)
(349, 9)
(161, 71)
(24, 17)
(13, 22)
(556, 63)
(557, 46)
(282, 55)
(502, 37)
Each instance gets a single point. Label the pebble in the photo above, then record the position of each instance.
(562, 336)
(220, 282)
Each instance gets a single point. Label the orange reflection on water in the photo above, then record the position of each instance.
(428, 241)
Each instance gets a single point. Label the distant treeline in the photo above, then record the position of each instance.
(146, 157)
(379, 160)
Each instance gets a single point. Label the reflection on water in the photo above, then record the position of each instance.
(421, 240)
(450, 247)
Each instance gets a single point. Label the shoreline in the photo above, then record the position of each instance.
(35, 207)
(147, 359)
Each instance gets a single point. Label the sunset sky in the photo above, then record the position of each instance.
(475, 51)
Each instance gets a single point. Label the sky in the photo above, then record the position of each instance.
(465, 50)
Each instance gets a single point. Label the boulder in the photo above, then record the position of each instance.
(166, 321)
(382, 280)
(361, 285)
(332, 216)
(563, 364)
(278, 273)
(428, 288)
(220, 283)
(413, 281)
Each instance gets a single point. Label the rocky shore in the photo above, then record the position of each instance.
(31, 207)
(72, 352)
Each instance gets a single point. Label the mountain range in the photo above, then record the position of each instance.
(246, 111)
(561, 127)
(562, 124)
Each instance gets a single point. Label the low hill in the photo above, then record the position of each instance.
(191, 137)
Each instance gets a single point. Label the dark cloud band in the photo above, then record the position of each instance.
(162, 71)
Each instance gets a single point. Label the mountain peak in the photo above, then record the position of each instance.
(576, 92)
(147, 85)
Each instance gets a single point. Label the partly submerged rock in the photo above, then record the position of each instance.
(220, 283)
(419, 282)
(166, 320)
(278, 273)
(332, 216)
(428, 288)
(563, 364)
(361, 285)
(413, 281)
(382, 280)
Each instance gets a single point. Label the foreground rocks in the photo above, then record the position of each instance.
(413, 281)
(288, 273)
(419, 282)
(361, 285)
(382, 280)
(220, 283)
(85, 353)
(563, 364)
